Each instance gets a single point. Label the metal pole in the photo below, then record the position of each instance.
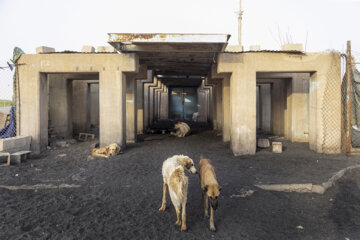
(240, 25)
(348, 98)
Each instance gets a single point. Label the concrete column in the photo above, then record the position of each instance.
(140, 106)
(226, 109)
(265, 103)
(60, 95)
(94, 104)
(300, 104)
(131, 103)
(219, 110)
(243, 112)
(152, 100)
(44, 112)
(147, 84)
(131, 118)
(278, 103)
(258, 112)
(112, 94)
(80, 107)
(164, 109)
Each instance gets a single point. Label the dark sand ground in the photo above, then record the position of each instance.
(119, 198)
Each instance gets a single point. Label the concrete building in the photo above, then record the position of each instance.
(170, 76)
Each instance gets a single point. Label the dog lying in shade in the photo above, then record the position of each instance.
(177, 182)
(182, 129)
(210, 189)
(107, 151)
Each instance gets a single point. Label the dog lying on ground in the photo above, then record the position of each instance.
(182, 129)
(110, 150)
(177, 182)
(210, 189)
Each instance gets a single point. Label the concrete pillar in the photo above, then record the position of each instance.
(265, 103)
(60, 102)
(226, 109)
(146, 109)
(140, 106)
(44, 113)
(258, 112)
(112, 94)
(94, 104)
(278, 103)
(243, 112)
(131, 120)
(219, 110)
(131, 103)
(151, 100)
(164, 105)
(80, 106)
(300, 107)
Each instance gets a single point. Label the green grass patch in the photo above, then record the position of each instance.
(5, 103)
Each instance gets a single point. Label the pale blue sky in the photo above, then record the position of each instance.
(69, 24)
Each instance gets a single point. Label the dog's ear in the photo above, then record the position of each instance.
(205, 188)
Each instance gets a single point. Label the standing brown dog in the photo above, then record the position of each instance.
(210, 189)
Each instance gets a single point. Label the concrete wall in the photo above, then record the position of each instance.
(60, 101)
(264, 107)
(94, 105)
(80, 106)
(33, 103)
(325, 126)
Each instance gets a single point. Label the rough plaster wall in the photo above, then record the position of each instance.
(94, 104)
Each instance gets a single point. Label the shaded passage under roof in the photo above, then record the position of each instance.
(172, 54)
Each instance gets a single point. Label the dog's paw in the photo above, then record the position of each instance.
(206, 215)
(178, 222)
(212, 228)
(183, 228)
(162, 208)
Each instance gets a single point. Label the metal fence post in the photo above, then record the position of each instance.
(348, 98)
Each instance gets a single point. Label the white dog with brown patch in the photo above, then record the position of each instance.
(177, 182)
(182, 129)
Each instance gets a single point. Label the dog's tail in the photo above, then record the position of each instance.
(181, 183)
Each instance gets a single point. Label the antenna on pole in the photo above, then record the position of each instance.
(240, 13)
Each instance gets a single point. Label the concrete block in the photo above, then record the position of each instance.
(87, 49)
(110, 49)
(255, 48)
(86, 136)
(263, 143)
(292, 47)
(7, 156)
(14, 144)
(106, 49)
(277, 147)
(43, 49)
(101, 49)
(18, 157)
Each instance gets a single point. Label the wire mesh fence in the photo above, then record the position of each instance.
(350, 89)
(7, 103)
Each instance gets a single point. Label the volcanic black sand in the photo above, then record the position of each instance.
(119, 198)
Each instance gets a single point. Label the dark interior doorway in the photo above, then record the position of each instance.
(183, 102)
